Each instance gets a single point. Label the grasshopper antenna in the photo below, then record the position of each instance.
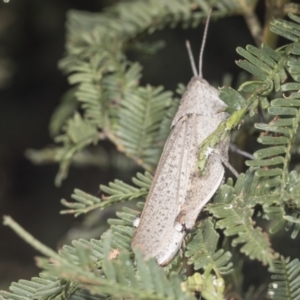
(188, 46)
(203, 44)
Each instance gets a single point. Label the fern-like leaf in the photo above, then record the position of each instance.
(210, 287)
(78, 134)
(286, 280)
(271, 68)
(140, 118)
(117, 191)
(234, 216)
(118, 276)
(63, 112)
(47, 287)
(202, 250)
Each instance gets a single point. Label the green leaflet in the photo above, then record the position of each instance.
(203, 253)
(234, 211)
(78, 134)
(115, 192)
(140, 118)
(209, 287)
(117, 277)
(286, 279)
(232, 98)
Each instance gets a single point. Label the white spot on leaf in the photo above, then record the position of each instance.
(228, 206)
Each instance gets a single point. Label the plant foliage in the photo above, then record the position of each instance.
(107, 101)
(202, 251)
(286, 279)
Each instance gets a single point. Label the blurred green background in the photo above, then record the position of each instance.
(32, 34)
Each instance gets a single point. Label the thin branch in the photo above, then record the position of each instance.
(274, 9)
(233, 148)
(252, 21)
(28, 238)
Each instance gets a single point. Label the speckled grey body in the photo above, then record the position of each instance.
(178, 192)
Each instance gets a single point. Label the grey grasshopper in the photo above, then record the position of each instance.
(178, 192)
